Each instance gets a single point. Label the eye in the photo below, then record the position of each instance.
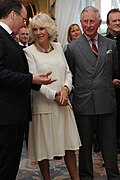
(85, 21)
(38, 29)
(35, 29)
(92, 21)
(41, 28)
(116, 20)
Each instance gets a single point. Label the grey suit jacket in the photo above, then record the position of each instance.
(93, 88)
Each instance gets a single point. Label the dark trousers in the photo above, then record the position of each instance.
(106, 129)
(11, 141)
(118, 116)
(26, 133)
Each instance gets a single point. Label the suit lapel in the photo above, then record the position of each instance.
(102, 48)
(89, 56)
(86, 50)
(24, 62)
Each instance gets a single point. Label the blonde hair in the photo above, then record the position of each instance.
(45, 21)
(69, 31)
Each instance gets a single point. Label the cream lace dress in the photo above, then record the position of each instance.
(53, 128)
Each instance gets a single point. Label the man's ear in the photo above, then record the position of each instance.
(100, 22)
(12, 15)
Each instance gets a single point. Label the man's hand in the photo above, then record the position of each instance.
(116, 82)
(43, 78)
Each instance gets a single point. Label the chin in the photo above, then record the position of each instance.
(117, 30)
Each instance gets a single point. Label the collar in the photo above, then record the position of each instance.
(89, 39)
(112, 37)
(6, 27)
(23, 44)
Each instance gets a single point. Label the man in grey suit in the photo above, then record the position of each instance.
(94, 101)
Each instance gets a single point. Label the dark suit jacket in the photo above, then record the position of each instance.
(117, 39)
(15, 81)
(93, 88)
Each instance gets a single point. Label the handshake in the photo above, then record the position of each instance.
(43, 78)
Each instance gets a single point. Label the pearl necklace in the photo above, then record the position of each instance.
(39, 48)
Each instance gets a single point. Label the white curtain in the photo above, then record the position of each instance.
(66, 12)
(86, 3)
(116, 3)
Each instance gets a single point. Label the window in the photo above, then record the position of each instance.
(106, 5)
(105, 8)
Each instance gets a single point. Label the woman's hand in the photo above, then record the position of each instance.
(62, 96)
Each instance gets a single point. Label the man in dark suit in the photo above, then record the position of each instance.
(113, 23)
(23, 39)
(92, 61)
(15, 85)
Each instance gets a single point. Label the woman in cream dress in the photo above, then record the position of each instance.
(53, 131)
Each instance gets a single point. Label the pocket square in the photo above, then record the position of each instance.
(109, 51)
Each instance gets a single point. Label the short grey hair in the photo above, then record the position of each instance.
(93, 9)
(45, 21)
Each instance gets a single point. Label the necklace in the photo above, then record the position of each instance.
(39, 48)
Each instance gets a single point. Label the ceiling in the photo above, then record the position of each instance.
(28, 2)
(30, 6)
(35, 6)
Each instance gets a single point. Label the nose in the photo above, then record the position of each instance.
(26, 35)
(38, 31)
(118, 21)
(88, 24)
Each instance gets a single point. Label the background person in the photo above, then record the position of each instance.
(113, 23)
(53, 131)
(73, 33)
(15, 86)
(93, 65)
(23, 37)
(23, 40)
